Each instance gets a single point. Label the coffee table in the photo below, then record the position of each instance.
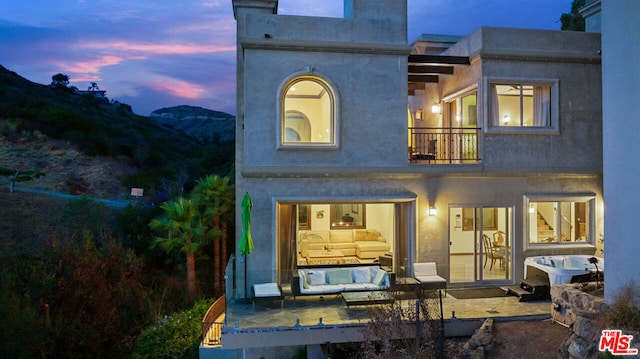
(366, 298)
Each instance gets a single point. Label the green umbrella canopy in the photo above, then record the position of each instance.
(246, 242)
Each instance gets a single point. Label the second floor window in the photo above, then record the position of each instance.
(308, 113)
(522, 106)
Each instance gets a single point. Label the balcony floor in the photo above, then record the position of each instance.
(333, 311)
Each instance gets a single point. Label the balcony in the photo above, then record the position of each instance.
(444, 145)
(213, 322)
(315, 320)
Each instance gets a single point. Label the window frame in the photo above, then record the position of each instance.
(553, 84)
(330, 89)
(588, 198)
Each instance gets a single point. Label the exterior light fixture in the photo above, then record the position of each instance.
(419, 114)
(435, 108)
(532, 209)
(433, 211)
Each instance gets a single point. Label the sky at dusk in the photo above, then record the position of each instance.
(161, 53)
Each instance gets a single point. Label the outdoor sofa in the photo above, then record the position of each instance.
(333, 280)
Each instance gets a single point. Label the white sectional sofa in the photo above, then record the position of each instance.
(318, 281)
(363, 243)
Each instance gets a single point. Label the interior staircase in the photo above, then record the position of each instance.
(544, 230)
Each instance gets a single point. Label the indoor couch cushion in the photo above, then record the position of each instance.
(342, 236)
(339, 276)
(372, 246)
(314, 236)
(360, 235)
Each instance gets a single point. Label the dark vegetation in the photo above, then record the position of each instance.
(573, 21)
(79, 279)
(100, 128)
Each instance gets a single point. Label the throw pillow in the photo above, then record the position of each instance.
(340, 276)
(379, 279)
(317, 278)
(361, 275)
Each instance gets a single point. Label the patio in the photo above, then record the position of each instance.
(315, 319)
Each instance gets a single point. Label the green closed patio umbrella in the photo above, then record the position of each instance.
(246, 242)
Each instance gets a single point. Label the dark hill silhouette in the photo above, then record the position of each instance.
(201, 123)
(37, 121)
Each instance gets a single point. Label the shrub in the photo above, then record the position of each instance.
(625, 309)
(174, 336)
(95, 298)
(391, 331)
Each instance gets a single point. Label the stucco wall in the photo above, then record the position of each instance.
(570, 58)
(621, 105)
(370, 132)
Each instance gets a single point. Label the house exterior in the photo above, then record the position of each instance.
(335, 117)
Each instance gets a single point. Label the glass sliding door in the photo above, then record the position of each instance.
(480, 241)
(331, 233)
(494, 239)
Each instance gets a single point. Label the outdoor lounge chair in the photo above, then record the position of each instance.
(266, 292)
(427, 274)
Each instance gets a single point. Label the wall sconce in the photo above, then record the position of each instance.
(433, 211)
(532, 209)
(419, 114)
(435, 108)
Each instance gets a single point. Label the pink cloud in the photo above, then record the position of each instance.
(179, 88)
(91, 65)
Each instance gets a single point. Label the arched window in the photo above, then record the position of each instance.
(308, 113)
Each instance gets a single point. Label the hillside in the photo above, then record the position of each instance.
(201, 123)
(86, 145)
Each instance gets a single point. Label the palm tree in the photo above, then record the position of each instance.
(216, 200)
(184, 232)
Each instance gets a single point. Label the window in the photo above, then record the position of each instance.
(522, 106)
(560, 221)
(308, 113)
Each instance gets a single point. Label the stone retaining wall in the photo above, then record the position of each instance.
(573, 306)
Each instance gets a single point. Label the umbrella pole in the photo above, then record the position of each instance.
(245, 278)
(246, 299)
